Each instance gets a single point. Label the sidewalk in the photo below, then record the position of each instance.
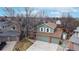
(10, 45)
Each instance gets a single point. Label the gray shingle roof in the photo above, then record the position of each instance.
(51, 25)
(9, 34)
(74, 38)
(77, 29)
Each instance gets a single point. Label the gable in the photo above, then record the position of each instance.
(44, 26)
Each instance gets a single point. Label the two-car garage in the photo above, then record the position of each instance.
(47, 39)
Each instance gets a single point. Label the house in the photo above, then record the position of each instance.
(7, 32)
(9, 36)
(5, 26)
(74, 40)
(15, 25)
(49, 32)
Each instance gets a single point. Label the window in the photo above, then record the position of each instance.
(13, 28)
(77, 34)
(47, 29)
(41, 29)
(3, 27)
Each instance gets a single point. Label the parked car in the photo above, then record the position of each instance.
(2, 45)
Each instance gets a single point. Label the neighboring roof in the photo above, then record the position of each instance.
(74, 38)
(77, 29)
(51, 25)
(44, 46)
(58, 22)
(9, 34)
(3, 24)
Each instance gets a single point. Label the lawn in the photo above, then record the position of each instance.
(22, 45)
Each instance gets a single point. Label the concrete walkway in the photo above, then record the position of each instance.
(10, 45)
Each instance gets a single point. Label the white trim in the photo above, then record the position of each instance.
(64, 36)
(49, 29)
(46, 29)
(41, 28)
(78, 34)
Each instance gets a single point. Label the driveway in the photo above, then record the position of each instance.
(44, 46)
(10, 45)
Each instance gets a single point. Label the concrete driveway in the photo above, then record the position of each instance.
(44, 46)
(10, 45)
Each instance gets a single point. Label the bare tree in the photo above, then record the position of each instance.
(26, 23)
(27, 20)
(9, 11)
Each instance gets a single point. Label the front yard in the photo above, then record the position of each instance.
(22, 45)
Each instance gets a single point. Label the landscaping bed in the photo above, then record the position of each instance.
(22, 45)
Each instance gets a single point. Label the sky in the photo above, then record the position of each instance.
(48, 11)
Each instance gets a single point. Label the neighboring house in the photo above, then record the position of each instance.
(4, 26)
(7, 32)
(74, 40)
(9, 36)
(49, 32)
(16, 26)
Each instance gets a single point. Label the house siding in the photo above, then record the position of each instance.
(46, 39)
(44, 26)
(42, 38)
(55, 40)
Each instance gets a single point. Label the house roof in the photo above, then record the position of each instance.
(3, 24)
(77, 29)
(51, 25)
(74, 38)
(9, 34)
